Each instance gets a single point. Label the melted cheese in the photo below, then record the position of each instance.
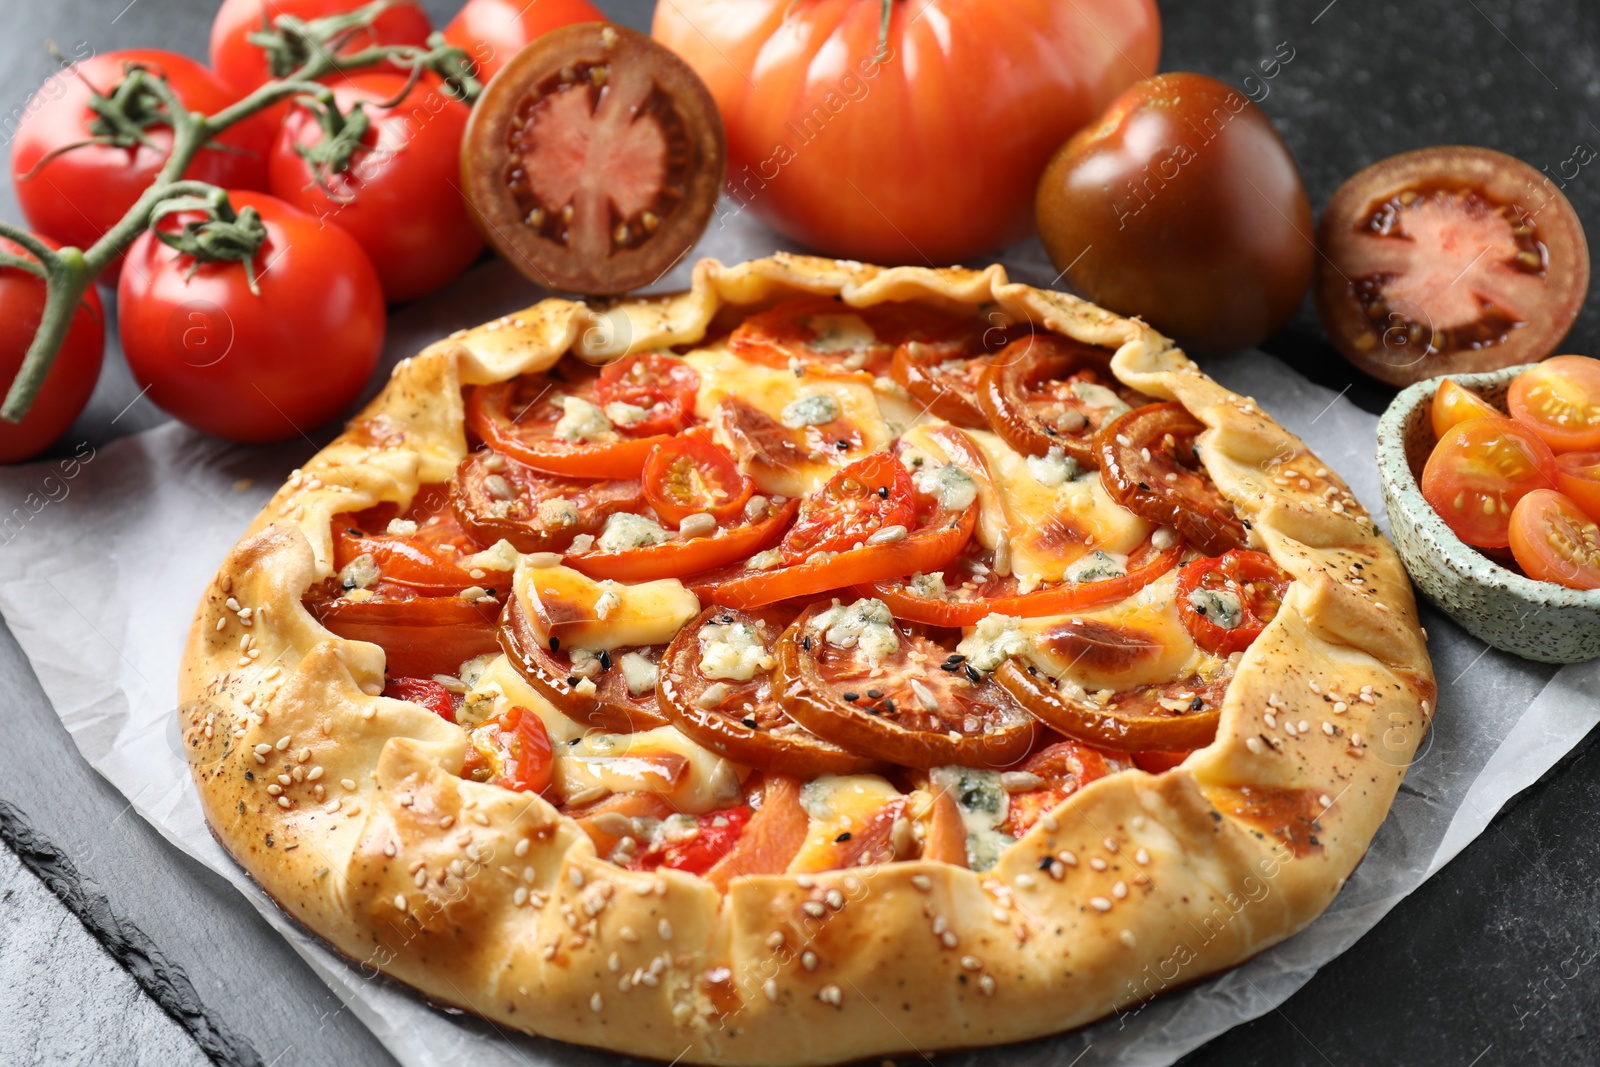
(584, 613)
(837, 804)
(619, 763)
(1146, 624)
(500, 688)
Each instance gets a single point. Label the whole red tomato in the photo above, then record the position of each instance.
(82, 192)
(71, 377)
(400, 197)
(246, 367)
(492, 31)
(932, 154)
(244, 65)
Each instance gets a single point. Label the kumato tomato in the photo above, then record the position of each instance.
(492, 31)
(594, 159)
(1559, 400)
(1453, 404)
(1183, 205)
(1554, 541)
(1478, 471)
(1448, 260)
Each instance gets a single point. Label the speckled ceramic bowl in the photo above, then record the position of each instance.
(1536, 620)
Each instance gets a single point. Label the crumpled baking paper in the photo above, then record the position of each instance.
(103, 558)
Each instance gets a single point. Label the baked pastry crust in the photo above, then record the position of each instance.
(348, 809)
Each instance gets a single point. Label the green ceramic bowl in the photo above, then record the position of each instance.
(1536, 620)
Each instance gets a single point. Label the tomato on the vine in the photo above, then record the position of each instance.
(71, 377)
(492, 31)
(252, 367)
(399, 195)
(74, 189)
(243, 64)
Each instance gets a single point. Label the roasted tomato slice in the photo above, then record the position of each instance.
(496, 498)
(424, 691)
(717, 687)
(1554, 541)
(420, 636)
(1578, 476)
(1045, 391)
(1448, 260)
(850, 674)
(865, 499)
(686, 555)
(553, 423)
(1149, 465)
(650, 392)
(1452, 404)
(594, 691)
(594, 160)
(419, 551)
(512, 750)
(1175, 715)
(826, 335)
(1225, 602)
(944, 377)
(716, 834)
(968, 590)
(1559, 400)
(692, 474)
(1479, 470)
(771, 839)
(1061, 769)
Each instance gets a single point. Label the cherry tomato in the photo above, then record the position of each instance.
(716, 834)
(1554, 541)
(1453, 404)
(874, 158)
(1578, 476)
(420, 636)
(492, 31)
(1559, 400)
(71, 377)
(243, 65)
(400, 196)
(1064, 767)
(663, 387)
(587, 190)
(1477, 473)
(77, 195)
(1148, 464)
(512, 750)
(1448, 261)
(424, 691)
(496, 498)
(690, 475)
(522, 418)
(1045, 391)
(864, 498)
(684, 556)
(1183, 205)
(1249, 581)
(251, 367)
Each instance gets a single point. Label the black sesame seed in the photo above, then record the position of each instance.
(572, 680)
(605, 660)
(726, 620)
(955, 657)
(249, 776)
(949, 666)
(1050, 430)
(874, 694)
(489, 591)
(842, 838)
(1196, 704)
(972, 673)
(888, 706)
(353, 532)
(852, 697)
(805, 643)
(348, 584)
(750, 723)
(1143, 487)
(883, 492)
(841, 445)
(555, 644)
(1246, 524)
(1046, 862)
(1199, 609)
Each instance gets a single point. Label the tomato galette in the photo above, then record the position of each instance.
(823, 663)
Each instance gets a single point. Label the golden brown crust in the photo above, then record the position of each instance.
(347, 806)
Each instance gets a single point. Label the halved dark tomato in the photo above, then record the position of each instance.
(603, 701)
(742, 720)
(512, 750)
(528, 419)
(426, 561)
(968, 597)
(693, 474)
(420, 636)
(900, 706)
(1448, 260)
(656, 392)
(716, 834)
(1479, 470)
(424, 691)
(1046, 391)
(826, 335)
(868, 496)
(1149, 465)
(594, 159)
(1062, 769)
(497, 498)
(1225, 602)
(684, 556)
(1174, 715)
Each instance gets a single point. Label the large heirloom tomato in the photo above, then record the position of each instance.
(929, 151)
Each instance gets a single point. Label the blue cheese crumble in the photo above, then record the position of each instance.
(812, 409)
(995, 639)
(624, 531)
(733, 651)
(867, 625)
(950, 485)
(581, 420)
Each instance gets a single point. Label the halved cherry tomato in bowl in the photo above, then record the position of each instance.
(1453, 404)
(1559, 400)
(1554, 541)
(1225, 602)
(511, 750)
(1046, 391)
(684, 556)
(1149, 465)
(692, 474)
(1479, 470)
(1578, 476)
(425, 692)
(1062, 768)
(497, 498)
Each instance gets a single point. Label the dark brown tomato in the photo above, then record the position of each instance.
(1149, 465)
(1178, 715)
(497, 498)
(1045, 391)
(908, 709)
(594, 159)
(1182, 205)
(609, 705)
(1448, 260)
(743, 720)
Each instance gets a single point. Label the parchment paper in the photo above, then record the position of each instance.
(103, 559)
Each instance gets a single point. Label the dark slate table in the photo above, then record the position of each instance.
(115, 947)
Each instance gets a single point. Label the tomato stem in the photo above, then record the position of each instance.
(883, 31)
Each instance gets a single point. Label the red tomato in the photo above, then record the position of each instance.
(492, 31)
(248, 367)
(1553, 541)
(863, 498)
(426, 562)
(685, 556)
(78, 195)
(1477, 473)
(878, 160)
(424, 691)
(400, 197)
(1578, 476)
(716, 833)
(1251, 579)
(519, 418)
(1559, 400)
(72, 376)
(691, 474)
(512, 750)
(420, 636)
(243, 65)
(1453, 404)
(661, 385)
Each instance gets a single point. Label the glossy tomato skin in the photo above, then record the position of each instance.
(492, 31)
(243, 66)
(1559, 400)
(1182, 204)
(80, 194)
(72, 376)
(1454, 404)
(930, 156)
(247, 367)
(1554, 541)
(1478, 472)
(399, 198)
(1578, 476)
